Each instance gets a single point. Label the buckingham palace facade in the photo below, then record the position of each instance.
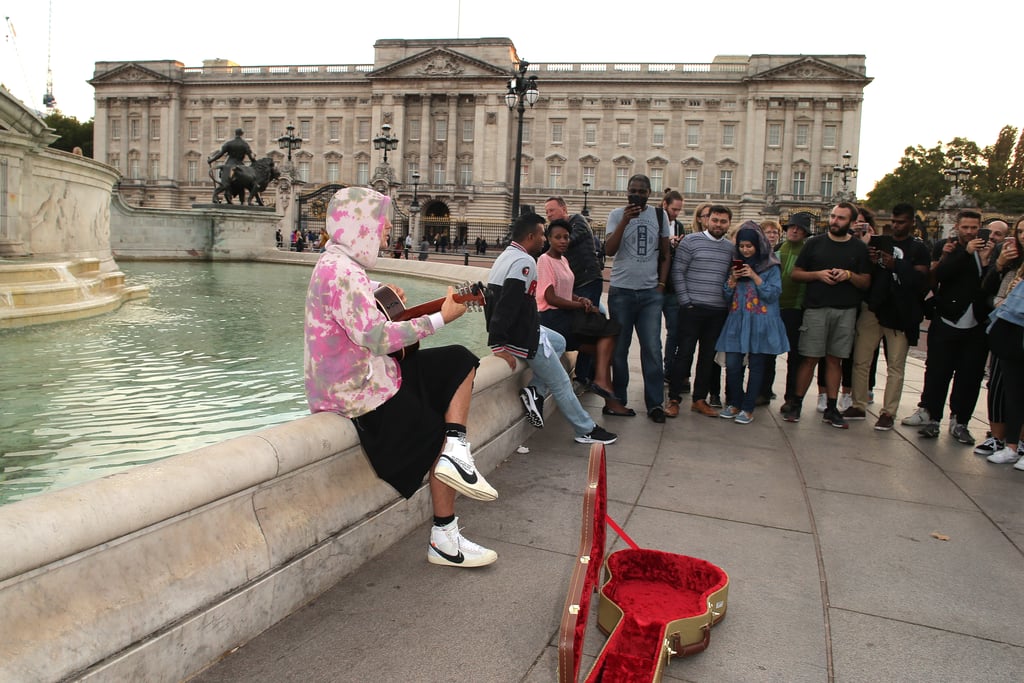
(761, 133)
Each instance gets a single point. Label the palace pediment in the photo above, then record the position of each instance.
(130, 73)
(809, 69)
(439, 62)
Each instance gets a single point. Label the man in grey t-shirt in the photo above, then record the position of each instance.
(638, 238)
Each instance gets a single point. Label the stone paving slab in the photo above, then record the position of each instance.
(825, 535)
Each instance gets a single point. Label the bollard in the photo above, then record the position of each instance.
(465, 258)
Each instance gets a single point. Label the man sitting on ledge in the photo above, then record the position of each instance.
(411, 414)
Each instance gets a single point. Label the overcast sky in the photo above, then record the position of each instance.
(935, 76)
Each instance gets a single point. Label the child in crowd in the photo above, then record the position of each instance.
(753, 333)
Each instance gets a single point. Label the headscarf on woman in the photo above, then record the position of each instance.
(764, 257)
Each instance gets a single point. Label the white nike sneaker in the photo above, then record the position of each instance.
(845, 401)
(822, 402)
(449, 548)
(455, 468)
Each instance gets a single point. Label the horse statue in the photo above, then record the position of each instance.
(240, 179)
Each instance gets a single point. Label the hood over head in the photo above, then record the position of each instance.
(764, 257)
(356, 217)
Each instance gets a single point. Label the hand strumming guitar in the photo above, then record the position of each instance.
(450, 309)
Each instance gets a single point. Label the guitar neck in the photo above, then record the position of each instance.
(425, 308)
(434, 306)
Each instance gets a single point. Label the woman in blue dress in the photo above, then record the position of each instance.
(754, 333)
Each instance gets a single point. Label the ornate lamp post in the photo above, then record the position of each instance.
(957, 175)
(846, 171)
(521, 91)
(385, 141)
(290, 142)
(414, 209)
(586, 191)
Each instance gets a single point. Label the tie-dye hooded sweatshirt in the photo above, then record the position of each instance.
(348, 340)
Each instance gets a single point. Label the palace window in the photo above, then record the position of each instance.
(692, 134)
(134, 169)
(728, 134)
(249, 126)
(154, 167)
(590, 133)
(625, 133)
(439, 175)
(555, 176)
(588, 175)
(802, 134)
(333, 172)
(725, 182)
(334, 129)
(440, 129)
(465, 174)
(527, 131)
(115, 129)
(774, 134)
(154, 128)
(657, 180)
(362, 173)
(220, 129)
(467, 131)
(828, 137)
(621, 178)
(414, 129)
(771, 182)
(826, 185)
(524, 175)
(134, 128)
(690, 180)
(799, 184)
(193, 171)
(304, 168)
(364, 130)
(305, 128)
(193, 129)
(658, 134)
(557, 132)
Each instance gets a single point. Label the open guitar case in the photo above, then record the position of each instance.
(653, 605)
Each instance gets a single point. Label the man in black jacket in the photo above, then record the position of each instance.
(514, 332)
(894, 310)
(957, 345)
(585, 266)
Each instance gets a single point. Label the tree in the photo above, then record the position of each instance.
(919, 179)
(1015, 175)
(72, 132)
(996, 177)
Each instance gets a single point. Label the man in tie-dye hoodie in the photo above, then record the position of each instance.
(411, 414)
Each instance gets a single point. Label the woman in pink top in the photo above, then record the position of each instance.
(558, 306)
(411, 414)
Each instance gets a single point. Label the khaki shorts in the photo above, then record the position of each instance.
(828, 332)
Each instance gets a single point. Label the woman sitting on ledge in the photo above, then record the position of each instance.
(575, 317)
(411, 414)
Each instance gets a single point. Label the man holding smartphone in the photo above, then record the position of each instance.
(894, 310)
(638, 238)
(957, 345)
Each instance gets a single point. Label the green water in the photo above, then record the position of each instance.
(213, 353)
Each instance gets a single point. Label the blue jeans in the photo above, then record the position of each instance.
(638, 309)
(736, 396)
(549, 377)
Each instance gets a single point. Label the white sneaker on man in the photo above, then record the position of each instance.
(845, 401)
(449, 548)
(989, 446)
(1004, 456)
(918, 419)
(822, 403)
(455, 467)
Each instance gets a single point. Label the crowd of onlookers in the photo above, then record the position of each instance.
(714, 305)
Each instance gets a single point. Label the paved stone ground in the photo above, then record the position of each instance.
(827, 536)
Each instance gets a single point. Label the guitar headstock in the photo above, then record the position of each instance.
(473, 294)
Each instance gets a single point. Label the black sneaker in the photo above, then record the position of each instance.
(657, 414)
(791, 412)
(832, 417)
(930, 430)
(598, 435)
(534, 404)
(958, 431)
(715, 401)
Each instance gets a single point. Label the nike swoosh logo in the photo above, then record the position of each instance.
(454, 559)
(468, 477)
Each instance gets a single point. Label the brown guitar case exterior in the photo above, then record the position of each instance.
(654, 605)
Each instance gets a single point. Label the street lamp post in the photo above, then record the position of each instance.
(290, 142)
(521, 91)
(957, 175)
(385, 141)
(586, 191)
(414, 209)
(846, 171)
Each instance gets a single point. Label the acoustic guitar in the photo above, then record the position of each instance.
(388, 303)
